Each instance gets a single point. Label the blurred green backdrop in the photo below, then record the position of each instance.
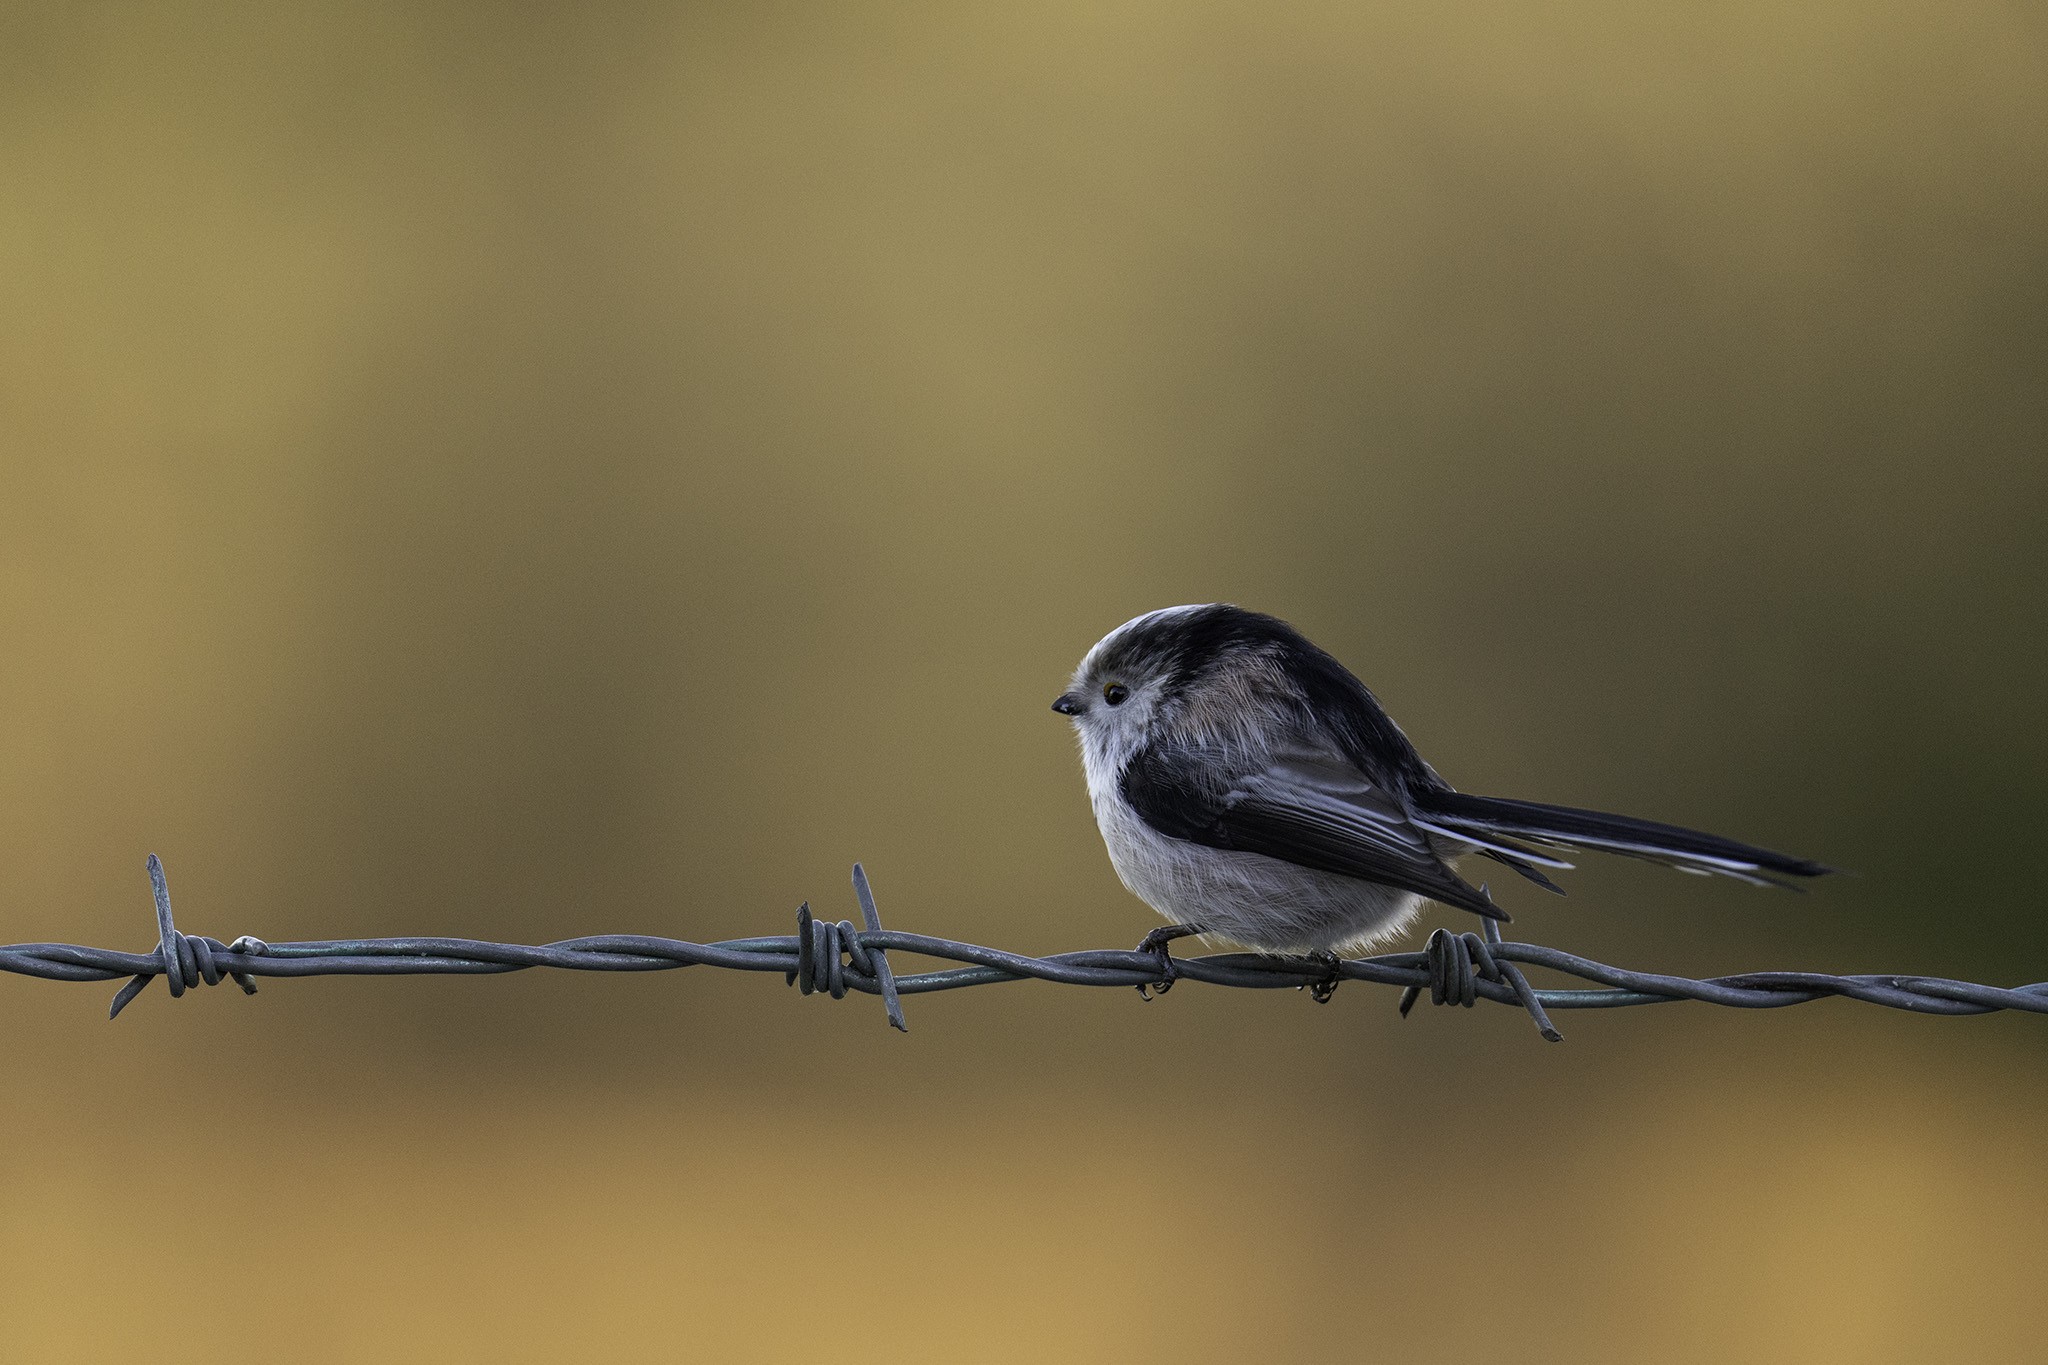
(526, 471)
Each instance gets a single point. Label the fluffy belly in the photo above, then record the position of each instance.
(1250, 899)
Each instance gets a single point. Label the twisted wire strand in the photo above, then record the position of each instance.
(838, 957)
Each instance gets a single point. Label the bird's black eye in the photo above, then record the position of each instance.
(1116, 694)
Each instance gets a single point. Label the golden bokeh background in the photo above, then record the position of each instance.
(527, 471)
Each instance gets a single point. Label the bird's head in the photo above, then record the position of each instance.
(1202, 669)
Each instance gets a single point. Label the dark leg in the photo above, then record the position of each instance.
(1155, 943)
(1332, 965)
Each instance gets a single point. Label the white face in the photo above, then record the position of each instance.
(1113, 700)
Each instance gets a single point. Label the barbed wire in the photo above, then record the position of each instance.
(837, 957)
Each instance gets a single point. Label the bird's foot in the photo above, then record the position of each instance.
(1333, 975)
(1155, 944)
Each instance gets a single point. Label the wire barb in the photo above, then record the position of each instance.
(877, 960)
(1459, 962)
(837, 958)
(183, 960)
(825, 952)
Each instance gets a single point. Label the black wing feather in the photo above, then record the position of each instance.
(1539, 822)
(1188, 793)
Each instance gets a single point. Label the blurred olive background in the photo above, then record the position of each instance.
(527, 471)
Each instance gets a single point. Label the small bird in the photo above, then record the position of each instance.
(1250, 789)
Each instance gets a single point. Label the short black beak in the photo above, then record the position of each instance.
(1067, 704)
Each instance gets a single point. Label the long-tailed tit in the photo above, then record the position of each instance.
(1250, 788)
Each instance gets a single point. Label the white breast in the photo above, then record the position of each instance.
(1245, 898)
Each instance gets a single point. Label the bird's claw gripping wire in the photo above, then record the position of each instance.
(1155, 944)
(1333, 976)
(185, 959)
(1457, 963)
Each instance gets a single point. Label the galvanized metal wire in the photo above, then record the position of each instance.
(836, 957)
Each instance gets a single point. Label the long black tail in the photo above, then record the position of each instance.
(1497, 825)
